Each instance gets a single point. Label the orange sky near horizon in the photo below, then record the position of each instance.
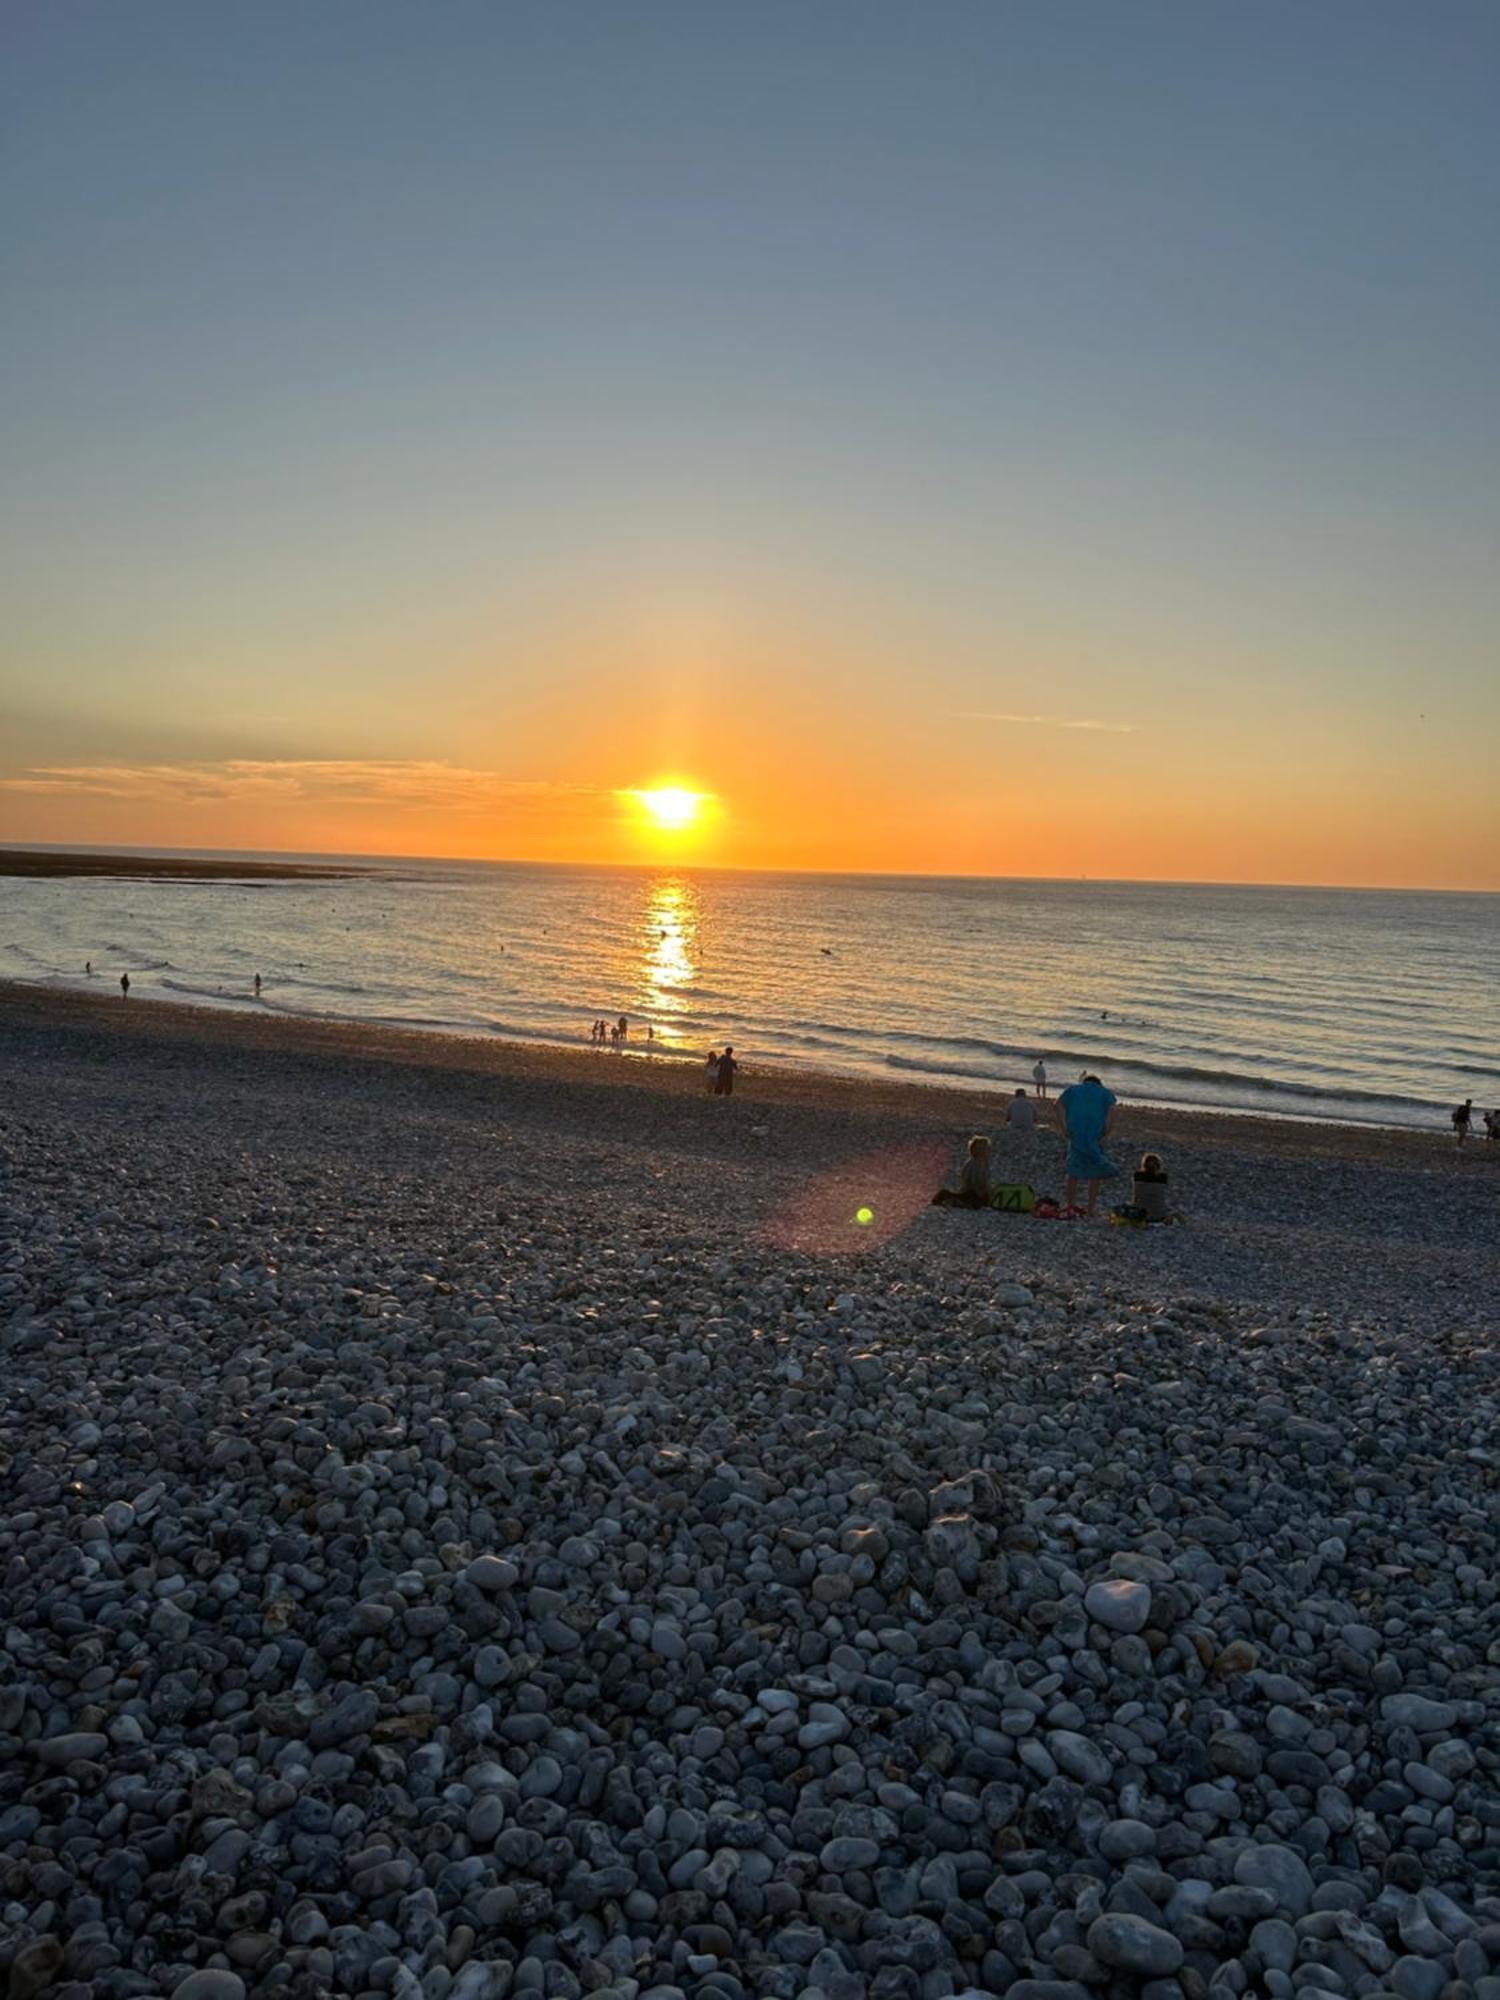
(1033, 800)
(828, 739)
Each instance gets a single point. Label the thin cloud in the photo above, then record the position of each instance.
(391, 783)
(1045, 721)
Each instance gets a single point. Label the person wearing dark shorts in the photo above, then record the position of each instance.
(724, 1077)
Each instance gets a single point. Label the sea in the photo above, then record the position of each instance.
(1361, 1006)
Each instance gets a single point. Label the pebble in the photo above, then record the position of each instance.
(1118, 1605)
(1132, 1944)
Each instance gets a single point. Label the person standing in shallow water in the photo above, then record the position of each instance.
(124, 985)
(1039, 1077)
(724, 1077)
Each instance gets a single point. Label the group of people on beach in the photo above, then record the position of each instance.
(1463, 1119)
(1084, 1112)
(614, 1034)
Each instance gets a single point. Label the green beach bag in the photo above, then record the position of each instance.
(1013, 1198)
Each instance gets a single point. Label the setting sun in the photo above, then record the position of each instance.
(671, 807)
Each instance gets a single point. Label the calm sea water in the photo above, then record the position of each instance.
(1342, 1004)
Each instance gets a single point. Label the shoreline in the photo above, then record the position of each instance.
(933, 1105)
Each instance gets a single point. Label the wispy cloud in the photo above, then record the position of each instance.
(1045, 721)
(393, 784)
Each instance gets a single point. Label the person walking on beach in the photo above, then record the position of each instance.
(711, 1071)
(724, 1075)
(124, 985)
(1039, 1078)
(1085, 1109)
(1020, 1113)
(1461, 1119)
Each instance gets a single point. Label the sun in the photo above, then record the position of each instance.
(671, 807)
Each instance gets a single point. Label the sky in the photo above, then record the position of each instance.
(1003, 439)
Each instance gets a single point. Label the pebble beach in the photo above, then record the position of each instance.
(486, 1520)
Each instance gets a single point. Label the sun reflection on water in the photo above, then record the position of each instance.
(669, 946)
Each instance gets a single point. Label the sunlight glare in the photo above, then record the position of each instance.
(670, 807)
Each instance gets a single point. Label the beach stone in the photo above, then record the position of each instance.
(1132, 1944)
(1274, 1943)
(1118, 1604)
(79, 1746)
(210, 1985)
(354, 1714)
(1080, 1758)
(1281, 1871)
(1417, 1978)
(35, 1967)
(492, 1574)
(1415, 1711)
(1126, 1840)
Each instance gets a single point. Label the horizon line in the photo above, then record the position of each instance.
(374, 861)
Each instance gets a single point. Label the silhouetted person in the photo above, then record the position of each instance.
(1020, 1113)
(257, 985)
(1461, 1119)
(1039, 1077)
(711, 1071)
(724, 1078)
(624, 1027)
(125, 985)
(88, 966)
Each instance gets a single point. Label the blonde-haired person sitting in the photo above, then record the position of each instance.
(973, 1180)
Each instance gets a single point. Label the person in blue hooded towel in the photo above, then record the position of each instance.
(1086, 1109)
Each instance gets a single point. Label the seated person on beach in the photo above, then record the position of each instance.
(973, 1180)
(1148, 1191)
(1020, 1113)
(1085, 1109)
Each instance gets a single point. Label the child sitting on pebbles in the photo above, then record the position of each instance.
(1148, 1190)
(973, 1181)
